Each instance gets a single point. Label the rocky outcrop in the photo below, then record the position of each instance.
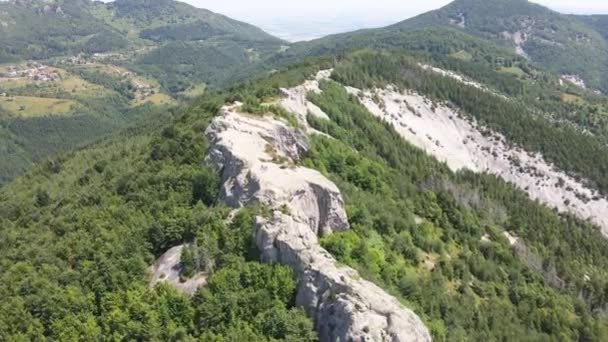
(574, 79)
(168, 269)
(258, 159)
(295, 100)
(463, 144)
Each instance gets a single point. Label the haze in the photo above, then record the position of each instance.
(303, 20)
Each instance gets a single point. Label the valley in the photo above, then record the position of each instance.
(108, 64)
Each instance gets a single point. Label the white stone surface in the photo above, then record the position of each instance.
(257, 157)
(168, 269)
(575, 79)
(295, 100)
(445, 134)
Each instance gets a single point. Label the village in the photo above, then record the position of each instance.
(31, 71)
(37, 72)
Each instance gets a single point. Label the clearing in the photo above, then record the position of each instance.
(29, 106)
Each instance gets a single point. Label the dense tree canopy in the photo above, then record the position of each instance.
(79, 233)
(418, 230)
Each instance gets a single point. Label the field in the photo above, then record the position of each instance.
(81, 87)
(157, 99)
(194, 91)
(571, 98)
(29, 106)
(462, 54)
(59, 85)
(108, 69)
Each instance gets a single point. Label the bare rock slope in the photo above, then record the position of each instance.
(445, 134)
(257, 157)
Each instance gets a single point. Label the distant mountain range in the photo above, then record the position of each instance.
(575, 46)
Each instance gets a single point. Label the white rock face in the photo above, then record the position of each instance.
(168, 269)
(443, 133)
(512, 238)
(576, 80)
(256, 156)
(519, 38)
(460, 20)
(295, 100)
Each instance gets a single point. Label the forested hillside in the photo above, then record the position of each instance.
(73, 71)
(555, 41)
(415, 232)
(598, 22)
(72, 270)
(107, 164)
(433, 238)
(567, 45)
(437, 239)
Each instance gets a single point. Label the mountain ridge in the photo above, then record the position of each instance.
(564, 44)
(72, 71)
(394, 184)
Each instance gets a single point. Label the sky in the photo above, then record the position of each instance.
(307, 19)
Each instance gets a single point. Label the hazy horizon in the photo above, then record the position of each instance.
(296, 21)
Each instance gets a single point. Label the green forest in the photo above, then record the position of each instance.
(79, 233)
(92, 197)
(583, 155)
(417, 229)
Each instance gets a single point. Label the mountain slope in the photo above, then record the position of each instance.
(34, 29)
(160, 18)
(458, 186)
(37, 29)
(571, 46)
(474, 257)
(76, 275)
(555, 41)
(72, 71)
(598, 22)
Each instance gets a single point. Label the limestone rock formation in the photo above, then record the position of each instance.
(258, 159)
(449, 136)
(168, 269)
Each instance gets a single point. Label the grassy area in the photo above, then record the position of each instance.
(12, 84)
(108, 69)
(253, 55)
(79, 86)
(157, 99)
(513, 70)
(132, 26)
(572, 98)
(194, 91)
(124, 25)
(462, 54)
(29, 106)
(65, 83)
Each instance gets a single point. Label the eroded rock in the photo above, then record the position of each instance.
(258, 159)
(463, 144)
